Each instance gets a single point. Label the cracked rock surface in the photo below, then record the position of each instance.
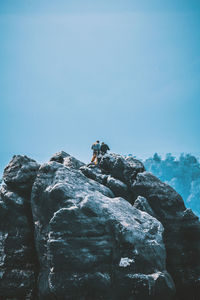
(76, 232)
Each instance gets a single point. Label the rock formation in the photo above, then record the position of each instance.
(76, 232)
(18, 258)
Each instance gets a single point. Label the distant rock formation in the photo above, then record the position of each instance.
(76, 232)
(182, 173)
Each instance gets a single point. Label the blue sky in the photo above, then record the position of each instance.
(125, 72)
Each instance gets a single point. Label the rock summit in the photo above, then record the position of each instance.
(109, 232)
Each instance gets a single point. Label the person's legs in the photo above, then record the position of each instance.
(94, 156)
(96, 160)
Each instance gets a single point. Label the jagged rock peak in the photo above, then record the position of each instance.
(67, 160)
(93, 245)
(59, 156)
(116, 172)
(107, 232)
(20, 173)
(121, 167)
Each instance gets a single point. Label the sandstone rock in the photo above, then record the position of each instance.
(95, 173)
(20, 174)
(181, 235)
(117, 172)
(89, 242)
(18, 260)
(66, 159)
(59, 156)
(119, 188)
(83, 236)
(120, 167)
(72, 162)
(142, 204)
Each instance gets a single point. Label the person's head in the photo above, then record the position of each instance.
(97, 142)
(102, 143)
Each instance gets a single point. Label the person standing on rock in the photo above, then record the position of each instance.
(104, 148)
(96, 150)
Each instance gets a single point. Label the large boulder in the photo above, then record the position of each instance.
(59, 156)
(119, 188)
(94, 246)
(18, 258)
(94, 172)
(121, 167)
(67, 160)
(181, 234)
(20, 174)
(69, 231)
(117, 172)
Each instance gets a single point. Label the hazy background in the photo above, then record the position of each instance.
(125, 72)
(182, 173)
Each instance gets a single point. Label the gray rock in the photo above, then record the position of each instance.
(142, 204)
(20, 174)
(89, 242)
(91, 245)
(72, 162)
(59, 156)
(117, 172)
(18, 260)
(181, 235)
(95, 173)
(119, 188)
(120, 167)
(66, 159)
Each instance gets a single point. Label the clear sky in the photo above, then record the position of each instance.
(123, 71)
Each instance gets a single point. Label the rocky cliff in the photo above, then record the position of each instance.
(76, 232)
